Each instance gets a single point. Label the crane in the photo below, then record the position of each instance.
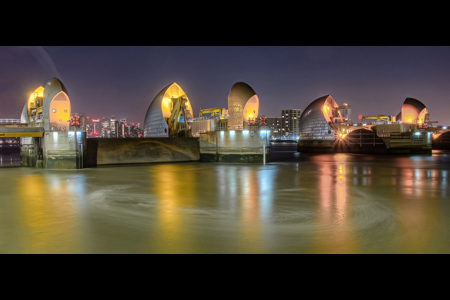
(216, 111)
(178, 109)
(378, 118)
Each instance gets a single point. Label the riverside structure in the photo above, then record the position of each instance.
(323, 129)
(50, 139)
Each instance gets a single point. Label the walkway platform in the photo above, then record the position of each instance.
(17, 130)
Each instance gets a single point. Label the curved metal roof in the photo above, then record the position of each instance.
(24, 115)
(412, 111)
(240, 93)
(416, 103)
(238, 97)
(51, 89)
(314, 121)
(317, 106)
(154, 123)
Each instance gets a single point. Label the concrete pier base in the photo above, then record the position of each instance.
(61, 159)
(62, 150)
(29, 151)
(240, 146)
(140, 150)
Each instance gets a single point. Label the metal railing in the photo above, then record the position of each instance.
(9, 121)
(232, 150)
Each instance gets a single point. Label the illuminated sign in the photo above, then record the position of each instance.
(75, 121)
(262, 121)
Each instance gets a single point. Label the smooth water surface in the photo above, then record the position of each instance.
(330, 203)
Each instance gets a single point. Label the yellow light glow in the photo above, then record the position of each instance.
(174, 92)
(251, 108)
(422, 115)
(38, 93)
(410, 114)
(325, 111)
(174, 193)
(21, 134)
(166, 107)
(47, 223)
(61, 105)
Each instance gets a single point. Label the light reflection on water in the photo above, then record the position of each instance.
(332, 203)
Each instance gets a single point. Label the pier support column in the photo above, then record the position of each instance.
(61, 150)
(29, 147)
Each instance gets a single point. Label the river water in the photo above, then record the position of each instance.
(327, 203)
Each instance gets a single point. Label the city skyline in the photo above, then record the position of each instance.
(104, 80)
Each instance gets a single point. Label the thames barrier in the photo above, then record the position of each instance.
(218, 182)
(51, 138)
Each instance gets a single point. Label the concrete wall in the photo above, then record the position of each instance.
(206, 125)
(140, 150)
(234, 146)
(316, 146)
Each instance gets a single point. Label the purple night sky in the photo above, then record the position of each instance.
(122, 81)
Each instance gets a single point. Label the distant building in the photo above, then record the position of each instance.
(114, 125)
(346, 112)
(275, 125)
(106, 128)
(113, 121)
(290, 123)
(136, 131)
(95, 128)
(113, 128)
